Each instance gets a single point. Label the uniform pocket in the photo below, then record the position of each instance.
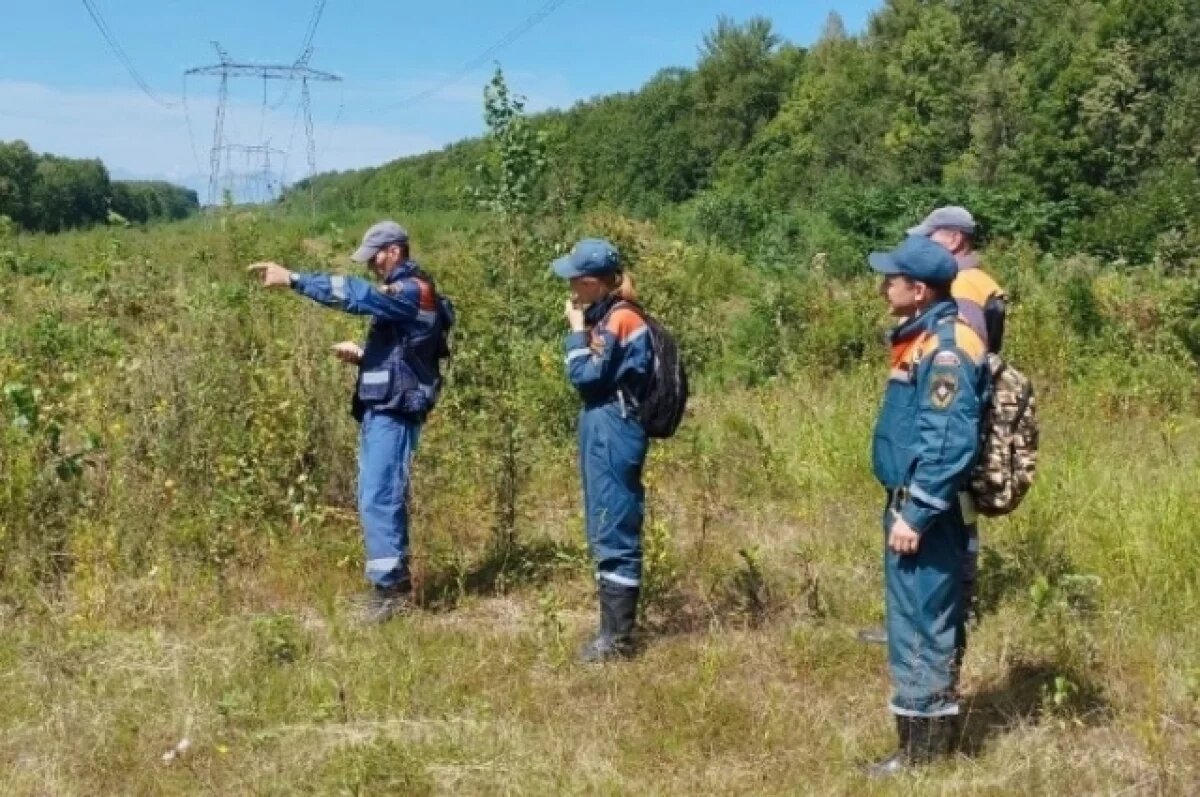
(374, 386)
(895, 439)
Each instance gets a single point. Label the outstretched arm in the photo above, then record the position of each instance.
(348, 294)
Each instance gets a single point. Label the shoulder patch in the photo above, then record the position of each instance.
(943, 387)
(947, 358)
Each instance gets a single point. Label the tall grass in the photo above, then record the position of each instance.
(177, 534)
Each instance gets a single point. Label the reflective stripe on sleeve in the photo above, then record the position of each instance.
(924, 497)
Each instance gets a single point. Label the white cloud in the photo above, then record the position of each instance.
(132, 135)
(355, 124)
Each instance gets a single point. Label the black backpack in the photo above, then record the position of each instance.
(660, 410)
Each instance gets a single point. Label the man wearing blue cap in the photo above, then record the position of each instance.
(609, 359)
(983, 304)
(926, 441)
(398, 383)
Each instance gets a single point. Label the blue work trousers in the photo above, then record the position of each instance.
(612, 451)
(925, 615)
(386, 447)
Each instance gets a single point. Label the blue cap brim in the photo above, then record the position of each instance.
(923, 230)
(363, 254)
(884, 263)
(565, 268)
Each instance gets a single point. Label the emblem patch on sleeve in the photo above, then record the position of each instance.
(943, 387)
(947, 358)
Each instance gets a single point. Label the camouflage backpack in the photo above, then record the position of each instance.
(1009, 442)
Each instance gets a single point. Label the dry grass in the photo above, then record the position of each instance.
(479, 695)
(213, 544)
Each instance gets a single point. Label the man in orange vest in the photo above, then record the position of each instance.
(983, 304)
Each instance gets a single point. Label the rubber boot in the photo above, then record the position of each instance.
(922, 740)
(933, 738)
(900, 760)
(384, 603)
(618, 612)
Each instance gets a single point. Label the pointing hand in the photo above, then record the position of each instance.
(273, 274)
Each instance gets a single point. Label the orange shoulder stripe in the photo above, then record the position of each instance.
(625, 324)
(427, 301)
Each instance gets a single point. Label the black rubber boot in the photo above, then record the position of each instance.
(873, 636)
(618, 612)
(900, 760)
(933, 738)
(922, 740)
(384, 603)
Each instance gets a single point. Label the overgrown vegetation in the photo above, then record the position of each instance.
(178, 530)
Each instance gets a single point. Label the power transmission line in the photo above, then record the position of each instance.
(226, 69)
(313, 21)
(187, 118)
(517, 32)
(118, 51)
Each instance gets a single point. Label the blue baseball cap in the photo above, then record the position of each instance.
(917, 258)
(591, 257)
(380, 235)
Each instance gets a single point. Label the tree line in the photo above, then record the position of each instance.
(47, 193)
(1074, 125)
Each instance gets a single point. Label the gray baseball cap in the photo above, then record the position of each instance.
(951, 217)
(381, 234)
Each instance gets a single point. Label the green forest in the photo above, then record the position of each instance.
(1074, 125)
(47, 193)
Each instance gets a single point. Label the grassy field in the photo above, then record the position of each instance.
(179, 542)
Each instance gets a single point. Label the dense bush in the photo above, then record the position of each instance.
(48, 194)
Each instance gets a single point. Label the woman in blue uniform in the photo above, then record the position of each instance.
(609, 359)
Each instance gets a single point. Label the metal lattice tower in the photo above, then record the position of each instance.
(261, 179)
(227, 69)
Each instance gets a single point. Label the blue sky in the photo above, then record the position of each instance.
(62, 90)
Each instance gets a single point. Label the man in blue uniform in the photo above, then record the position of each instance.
(609, 358)
(982, 303)
(398, 384)
(926, 441)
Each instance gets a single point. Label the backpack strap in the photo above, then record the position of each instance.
(624, 394)
(625, 303)
(945, 333)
